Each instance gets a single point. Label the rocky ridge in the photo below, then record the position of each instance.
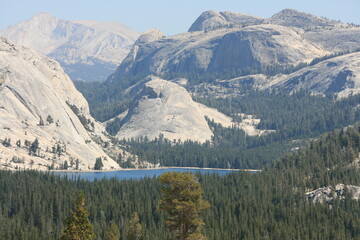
(330, 194)
(339, 76)
(219, 51)
(39, 101)
(163, 108)
(228, 44)
(211, 20)
(294, 18)
(77, 45)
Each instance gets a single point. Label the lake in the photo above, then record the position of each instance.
(137, 174)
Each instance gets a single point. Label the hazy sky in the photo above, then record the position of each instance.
(170, 16)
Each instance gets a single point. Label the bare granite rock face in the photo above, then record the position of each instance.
(339, 76)
(39, 101)
(294, 18)
(77, 45)
(228, 44)
(165, 108)
(333, 36)
(218, 51)
(211, 20)
(329, 194)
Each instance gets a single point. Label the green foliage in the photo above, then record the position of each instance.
(135, 229)
(196, 236)
(266, 205)
(34, 147)
(98, 164)
(106, 100)
(78, 225)
(113, 232)
(114, 126)
(6, 142)
(292, 116)
(295, 118)
(66, 165)
(183, 202)
(88, 125)
(49, 119)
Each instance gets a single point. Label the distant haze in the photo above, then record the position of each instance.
(171, 17)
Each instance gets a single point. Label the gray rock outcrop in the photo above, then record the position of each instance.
(294, 18)
(39, 101)
(165, 108)
(339, 76)
(219, 51)
(75, 44)
(211, 20)
(228, 44)
(329, 194)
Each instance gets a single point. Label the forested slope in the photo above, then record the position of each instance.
(271, 204)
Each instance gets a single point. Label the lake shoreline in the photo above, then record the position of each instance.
(155, 168)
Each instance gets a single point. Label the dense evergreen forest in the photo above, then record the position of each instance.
(295, 118)
(266, 205)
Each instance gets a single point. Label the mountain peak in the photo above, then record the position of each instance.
(41, 16)
(294, 18)
(103, 44)
(211, 19)
(291, 11)
(150, 35)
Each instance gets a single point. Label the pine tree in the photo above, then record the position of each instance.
(98, 164)
(135, 230)
(49, 119)
(66, 165)
(41, 122)
(182, 200)
(78, 224)
(113, 232)
(34, 147)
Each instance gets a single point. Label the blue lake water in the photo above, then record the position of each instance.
(136, 174)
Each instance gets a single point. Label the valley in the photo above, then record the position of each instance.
(257, 118)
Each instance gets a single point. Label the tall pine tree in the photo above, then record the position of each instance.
(182, 200)
(78, 225)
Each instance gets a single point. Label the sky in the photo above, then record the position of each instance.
(170, 16)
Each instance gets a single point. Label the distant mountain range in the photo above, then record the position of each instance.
(339, 76)
(87, 50)
(152, 91)
(225, 45)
